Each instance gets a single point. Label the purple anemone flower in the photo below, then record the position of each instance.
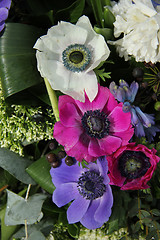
(144, 124)
(4, 7)
(88, 187)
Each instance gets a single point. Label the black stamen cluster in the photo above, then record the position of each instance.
(96, 124)
(91, 186)
(140, 159)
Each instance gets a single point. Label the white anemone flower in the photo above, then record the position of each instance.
(139, 22)
(68, 54)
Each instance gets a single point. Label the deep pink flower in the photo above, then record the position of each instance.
(92, 129)
(131, 167)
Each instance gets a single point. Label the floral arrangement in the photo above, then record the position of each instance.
(80, 119)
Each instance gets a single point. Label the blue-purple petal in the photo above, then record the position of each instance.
(134, 88)
(65, 193)
(3, 14)
(65, 174)
(88, 219)
(126, 107)
(134, 117)
(139, 130)
(123, 83)
(144, 118)
(2, 25)
(103, 168)
(5, 4)
(121, 96)
(77, 209)
(103, 211)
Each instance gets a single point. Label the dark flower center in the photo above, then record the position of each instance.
(90, 185)
(76, 57)
(133, 164)
(96, 124)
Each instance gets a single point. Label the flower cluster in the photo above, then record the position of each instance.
(95, 118)
(93, 126)
(144, 124)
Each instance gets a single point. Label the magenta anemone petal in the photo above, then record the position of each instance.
(65, 193)
(88, 219)
(119, 119)
(110, 144)
(100, 101)
(80, 150)
(110, 105)
(103, 211)
(66, 136)
(125, 136)
(94, 148)
(69, 116)
(77, 209)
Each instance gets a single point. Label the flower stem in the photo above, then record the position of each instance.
(27, 195)
(53, 99)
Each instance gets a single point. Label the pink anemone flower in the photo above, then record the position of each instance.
(131, 167)
(92, 129)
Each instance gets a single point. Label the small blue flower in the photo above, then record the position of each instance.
(88, 187)
(144, 124)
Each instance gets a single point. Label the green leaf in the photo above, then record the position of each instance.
(144, 214)
(107, 33)
(155, 212)
(40, 172)
(98, 11)
(45, 226)
(113, 226)
(73, 230)
(109, 18)
(72, 13)
(18, 65)
(18, 209)
(6, 231)
(36, 235)
(15, 165)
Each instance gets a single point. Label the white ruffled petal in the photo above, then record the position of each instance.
(99, 53)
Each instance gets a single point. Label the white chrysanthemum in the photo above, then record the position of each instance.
(67, 56)
(139, 22)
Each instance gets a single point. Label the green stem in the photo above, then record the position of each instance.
(53, 99)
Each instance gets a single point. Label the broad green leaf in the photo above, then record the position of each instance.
(36, 235)
(6, 231)
(72, 13)
(40, 172)
(45, 226)
(18, 65)
(18, 209)
(15, 165)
